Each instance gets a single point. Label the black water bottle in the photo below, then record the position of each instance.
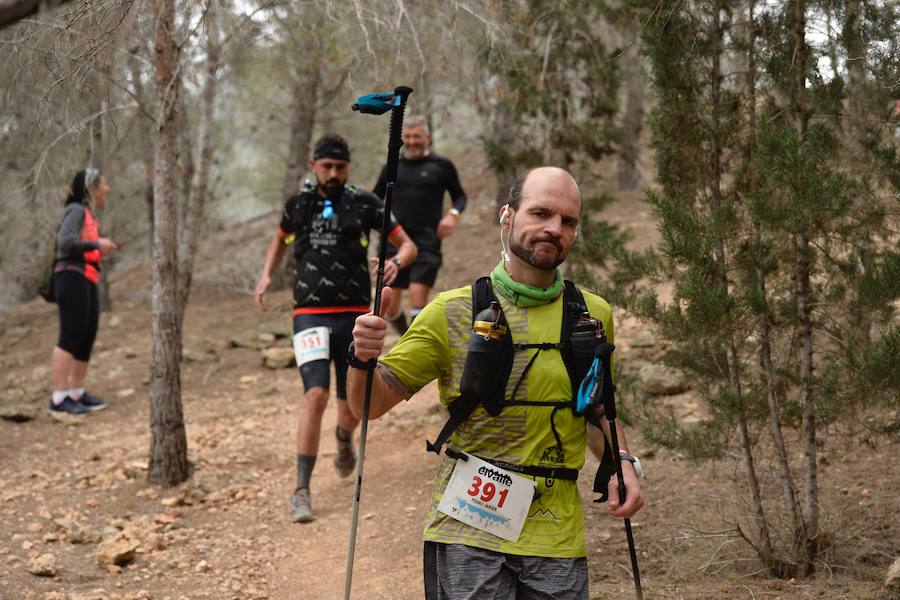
(583, 339)
(487, 359)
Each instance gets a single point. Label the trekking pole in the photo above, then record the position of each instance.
(376, 104)
(605, 392)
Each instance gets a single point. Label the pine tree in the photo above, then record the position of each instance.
(764, 224)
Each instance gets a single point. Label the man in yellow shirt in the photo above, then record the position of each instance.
(484, 536)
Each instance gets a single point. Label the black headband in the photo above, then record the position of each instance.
(335, 149)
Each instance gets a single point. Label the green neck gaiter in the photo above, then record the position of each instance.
(522, 294)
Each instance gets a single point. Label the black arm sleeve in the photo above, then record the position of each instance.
(457, 195)
(374, 213)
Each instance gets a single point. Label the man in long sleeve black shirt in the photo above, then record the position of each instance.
(418, 205)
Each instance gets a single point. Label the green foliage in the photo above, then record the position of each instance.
(801, 191)
(879, 375)
(760, 178)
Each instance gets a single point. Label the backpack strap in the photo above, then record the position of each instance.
(462, 407)
(604, 473)
(482, 295)
(460, 410)
(533, 471)
(573, 307)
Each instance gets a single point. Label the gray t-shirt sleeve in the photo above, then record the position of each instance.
(68, 240)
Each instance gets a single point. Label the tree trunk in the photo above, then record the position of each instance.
(803, 292)
(750, 183)
(193, 215)
(859, 131)
(807, 400)
(505, 134)
(303, 119)
(633, 115)
(95, 160)
(144, 132)
(786, 479)
(168, 443)
(762, 542)
(185, 161)
(98, 94)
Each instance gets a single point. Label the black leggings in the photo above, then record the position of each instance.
(79, 313)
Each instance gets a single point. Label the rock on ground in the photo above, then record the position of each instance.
(662, 381)
(118, 550)
(19, 413)
(278, 357)
(43, 566)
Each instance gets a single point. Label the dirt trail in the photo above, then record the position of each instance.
(225, 535)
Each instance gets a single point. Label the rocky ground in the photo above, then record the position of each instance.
(78, 520)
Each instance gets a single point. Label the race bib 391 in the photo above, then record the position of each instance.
(488, 498)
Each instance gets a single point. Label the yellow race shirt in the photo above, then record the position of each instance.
(435, 347)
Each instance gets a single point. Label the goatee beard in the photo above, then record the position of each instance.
(333, 189)
(530, 256)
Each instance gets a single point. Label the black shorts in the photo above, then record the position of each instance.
(424, 270)
(79, 313)
(317, 373)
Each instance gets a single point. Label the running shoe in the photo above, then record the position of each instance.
(301, 506)
(92, 402)
(69, 406)
(345, 459)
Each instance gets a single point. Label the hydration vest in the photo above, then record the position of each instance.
(309, 212)
(487, 371)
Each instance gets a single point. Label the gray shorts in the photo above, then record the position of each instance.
(458, 572)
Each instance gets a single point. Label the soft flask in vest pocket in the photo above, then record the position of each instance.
(583, 340)
(488, 361)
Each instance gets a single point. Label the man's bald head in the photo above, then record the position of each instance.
(540, 178)
(541, 218)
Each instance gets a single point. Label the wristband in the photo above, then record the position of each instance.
(353, 361)
(456, 213)
(635, 462)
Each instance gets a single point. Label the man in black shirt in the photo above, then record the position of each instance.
(418, 204)
(328, 224)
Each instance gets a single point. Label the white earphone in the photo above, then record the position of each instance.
(504, 214)
(504, 217)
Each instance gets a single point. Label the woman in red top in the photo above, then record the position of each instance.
(79, 249)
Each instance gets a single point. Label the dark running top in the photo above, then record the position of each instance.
(331, 244)
(77, 246)
(418, 201)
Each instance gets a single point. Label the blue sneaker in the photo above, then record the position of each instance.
(72, 407)
(301, 506)
(92, 402)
